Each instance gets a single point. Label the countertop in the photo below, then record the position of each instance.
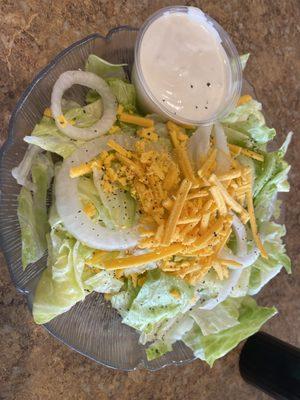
(33, 364)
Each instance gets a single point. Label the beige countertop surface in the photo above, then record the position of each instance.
(34, 365)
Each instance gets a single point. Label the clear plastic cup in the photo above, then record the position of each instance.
(147, 100)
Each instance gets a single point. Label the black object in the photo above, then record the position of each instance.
(271, 365)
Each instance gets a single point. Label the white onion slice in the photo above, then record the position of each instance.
(198, 145)
(223, 154)
(69, 206)
(241, 257)
(245, 260)
(92, 81)
(234, 273)
(22, 171)
(234, 276)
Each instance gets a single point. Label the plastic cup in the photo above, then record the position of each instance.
(147, 100)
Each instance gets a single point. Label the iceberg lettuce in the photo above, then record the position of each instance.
(47, 136)
(103, 68)
(32, 210)
(213, 346)
(156, 302)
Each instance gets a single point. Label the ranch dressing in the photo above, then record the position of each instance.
(184, 71)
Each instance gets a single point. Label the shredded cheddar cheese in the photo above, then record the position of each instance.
(89, 209)
(48, 112)
(249, 153)
(136, 120)
(185, 215)
(244, 99)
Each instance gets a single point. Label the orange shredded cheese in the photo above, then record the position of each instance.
(89, 209)
(48, 112)
(176, 211)
(244, 99)
(119, 149)
(246, 152)
(135, 261)
(136, 120)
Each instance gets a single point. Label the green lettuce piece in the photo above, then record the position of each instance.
(89, 194)
(60, 285)
(255, 277)
(120, 205)
(155, 302)
(238, 138)
(32, 211)
(276, 181)
(263, 270)
(86, 116)
(244, 59)
(167, 333)
(103, 68)
(158, 349)
(216, 320)
(47, 136)
(124, 92)
(123, 300)
(211, 347)
(103, 282)
(270, 178)
(248, 119)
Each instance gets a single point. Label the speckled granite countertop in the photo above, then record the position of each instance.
(33, 364)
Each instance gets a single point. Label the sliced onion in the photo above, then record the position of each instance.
(245, 261)
(223, 155)
(241, 257)
(198, 145)
(69, 206)
(234, 276)
(234, 272)
(22, 171)
(92, 81)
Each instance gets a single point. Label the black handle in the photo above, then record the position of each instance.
(271, 365)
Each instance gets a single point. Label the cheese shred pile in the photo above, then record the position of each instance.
(185, 215)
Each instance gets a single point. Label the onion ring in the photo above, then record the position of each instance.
(69, 206)
(64, 82)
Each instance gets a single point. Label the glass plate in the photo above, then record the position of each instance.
(92, 327)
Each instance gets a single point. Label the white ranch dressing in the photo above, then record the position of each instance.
(184, 65)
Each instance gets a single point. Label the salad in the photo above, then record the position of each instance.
(173, 224)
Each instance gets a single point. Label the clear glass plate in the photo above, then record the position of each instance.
(92, 327)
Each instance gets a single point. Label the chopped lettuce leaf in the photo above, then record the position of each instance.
(103, 68)
(32, 211)
(263, 270)
(156, 301)
(47, 136)
(124, 92)
(33, 246)
(211, 347)
(89, 194)
(238, 138)
(123, 300)
(166, 335)
(215, 320)
(158, 349)
(60, 285)
(248, 119)
(103, 282)
(86, 116)
(244, 59)
(120, 204)
(276, 181)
